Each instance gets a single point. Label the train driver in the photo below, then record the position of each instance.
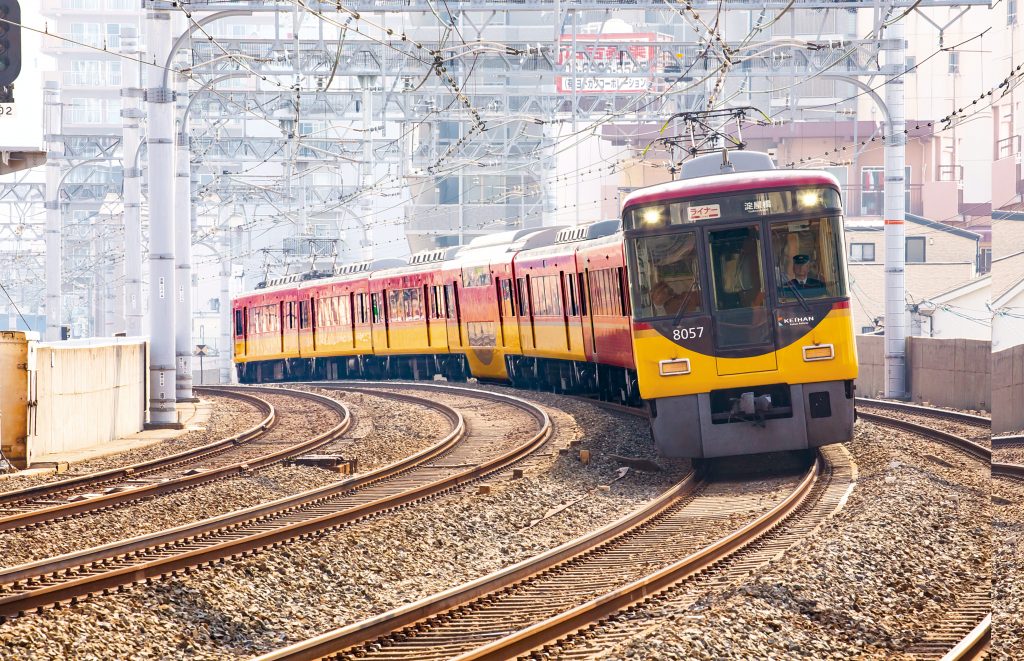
(666, 301)
(802, 279)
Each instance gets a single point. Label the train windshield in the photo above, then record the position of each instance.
(807, 259)
(668, 282)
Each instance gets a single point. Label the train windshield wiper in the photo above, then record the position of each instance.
(799, 297)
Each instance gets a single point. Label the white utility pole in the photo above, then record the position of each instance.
(894, 214)
(54, 256)
(183, 229)
(160, 143)
(131, 115)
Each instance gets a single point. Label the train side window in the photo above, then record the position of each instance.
(238, 323)
(507, 300)
(291, 314)
(570, 295)
(620, 284)
(524, 298)
(582, 294)
(376, 313)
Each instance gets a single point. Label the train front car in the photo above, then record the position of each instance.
(742, 330)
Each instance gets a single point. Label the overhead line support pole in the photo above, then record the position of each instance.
(160, 143)
(183, 253)
(894, 215)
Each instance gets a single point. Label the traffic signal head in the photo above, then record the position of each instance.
(10, 41)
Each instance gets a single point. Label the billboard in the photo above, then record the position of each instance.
(633, 59)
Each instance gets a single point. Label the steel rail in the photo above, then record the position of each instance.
(952, 440)
(975, 646)
(119, 498)
(132, 471)
(393, 620)
(1007, 442)
(524, 640)
(1013, 471)
(929, 412)
(239, 545)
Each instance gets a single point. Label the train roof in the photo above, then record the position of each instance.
(728, 183)
(577, 237)
(497, 247)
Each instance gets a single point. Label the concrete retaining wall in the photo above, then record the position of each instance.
(1008, 390)
(950, 372)
(945, 372)
(86, 392)
(871, 354)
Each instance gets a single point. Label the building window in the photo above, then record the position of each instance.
(954, 62)
(862, 252)
(448, 190)
(915, 250)
(872, 191)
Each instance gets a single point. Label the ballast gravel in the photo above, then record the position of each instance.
(1008, 567)
(868, 584)
(287, 594)
(384, 430)
(228, 416)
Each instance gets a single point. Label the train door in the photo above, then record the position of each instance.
(744, 341)
(241, 325)
(281, 323)
(454, 312)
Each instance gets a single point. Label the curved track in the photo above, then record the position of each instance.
(251, 449)
(433, 471)
(585, 581)
(974, 428)
(966, 631)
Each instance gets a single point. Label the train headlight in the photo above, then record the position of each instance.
(809, 198)
(674, 367)
(652, 216)
(819, 352)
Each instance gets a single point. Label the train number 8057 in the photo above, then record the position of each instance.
(690, 333)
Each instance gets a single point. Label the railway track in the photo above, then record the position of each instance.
(965, 632)
(435, 470)
(974, 428)
(585, 582)
(1010, 442)
(251, 449)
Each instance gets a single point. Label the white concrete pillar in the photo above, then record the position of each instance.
(131, 115)
(894, 215)
(183, 251)
(160, 143)
(53, 235)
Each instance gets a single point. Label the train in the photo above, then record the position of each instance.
(718, 300)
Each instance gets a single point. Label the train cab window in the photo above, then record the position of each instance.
(238, 323)
(667, 276)
(807, 259)
(737, 277)
(735, 256)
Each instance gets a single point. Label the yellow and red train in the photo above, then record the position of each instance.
(719, 300)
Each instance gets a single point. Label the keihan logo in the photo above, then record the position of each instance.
(795, 321)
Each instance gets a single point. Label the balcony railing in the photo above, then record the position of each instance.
(1007, 147)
